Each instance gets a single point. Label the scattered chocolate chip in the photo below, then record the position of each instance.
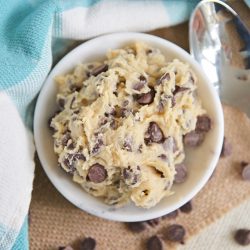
(244, 163)
(203, 123)
(179, 89)
(242, 237)
(186, 208)
(97, 147)
(154, 133)
(226, 148)
(194, 139)
(88, 244)
(153, 222)
(65, 248)
(98, 70)
(165, 76)
(171, 215)
(97, 173)
(246, 172)
(147, 98)
(175, 233)
(136, 227)
(181, 173)
(154, 243)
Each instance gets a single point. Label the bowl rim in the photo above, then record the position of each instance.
(218, 111)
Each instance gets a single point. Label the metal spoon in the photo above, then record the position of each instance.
(219, 37)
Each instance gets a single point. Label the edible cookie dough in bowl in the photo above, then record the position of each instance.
(127, 127)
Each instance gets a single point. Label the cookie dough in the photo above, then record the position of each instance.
(119, 131)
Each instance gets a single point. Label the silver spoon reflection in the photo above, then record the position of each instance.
(219, 37)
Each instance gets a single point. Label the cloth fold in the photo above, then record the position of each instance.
(27, 29)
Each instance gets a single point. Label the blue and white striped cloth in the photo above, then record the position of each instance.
(29, 33)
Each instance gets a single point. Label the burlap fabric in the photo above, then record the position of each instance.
(56, 222)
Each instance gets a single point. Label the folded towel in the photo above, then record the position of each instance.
(28, 28)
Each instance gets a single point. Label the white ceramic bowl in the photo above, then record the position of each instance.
(201, 161)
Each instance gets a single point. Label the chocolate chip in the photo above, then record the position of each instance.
(140, 148)
(147, 98)
(69, 164)
(131, 175)
(170, 144)
(139, 85)
(194, 139)
(203, 123)
(66, 137)
(127, 145)
(65, 248)
(71, 146)
(97, 146)
(186, 208)
(72, 102)
(136, 227)
(98, 70)
(173, 101)
(125, 103)
(242, 237)
(165, 76)
(50, 121)
(88, 244)
(244, 163)
(226, 148)
(74, 87)
(179, 89)
(97, 173)
(154, 243)
(79, 156)
(246, 172)
(163, 157)
(113, 124)
(61, 103)
(153, 222)
(149, 51)
(154, 133)
(181, 173)
(160, 107)
(171, 215)
(175, 233)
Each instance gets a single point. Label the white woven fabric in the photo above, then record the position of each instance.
(220, 235)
